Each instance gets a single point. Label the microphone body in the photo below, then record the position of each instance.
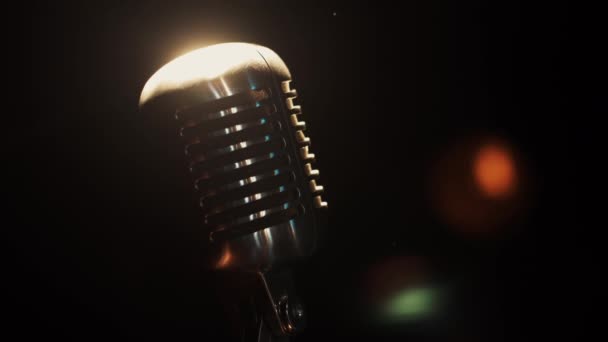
(230, 111)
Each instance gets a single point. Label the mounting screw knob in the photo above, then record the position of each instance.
(292, 315)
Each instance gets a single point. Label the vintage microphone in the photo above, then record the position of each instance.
(240, 142)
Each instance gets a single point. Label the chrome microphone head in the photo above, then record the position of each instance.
(244, 146)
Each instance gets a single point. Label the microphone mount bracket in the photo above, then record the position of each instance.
(281, 314)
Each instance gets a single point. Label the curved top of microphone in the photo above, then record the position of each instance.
(188, 72)
(239, 137)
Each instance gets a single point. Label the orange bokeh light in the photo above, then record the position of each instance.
(226, 258)
(494, 171)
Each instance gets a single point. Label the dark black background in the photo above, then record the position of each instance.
(385, 91)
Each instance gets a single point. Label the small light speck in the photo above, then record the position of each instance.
(334, 14)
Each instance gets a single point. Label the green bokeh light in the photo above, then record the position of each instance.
(411, 304)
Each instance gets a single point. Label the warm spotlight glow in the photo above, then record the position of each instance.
(187, 70)
(494, 171)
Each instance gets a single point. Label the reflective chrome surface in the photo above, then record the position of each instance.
(250, 161)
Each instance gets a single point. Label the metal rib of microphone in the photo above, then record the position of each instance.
(243, 145)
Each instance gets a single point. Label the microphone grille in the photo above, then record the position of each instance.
(244, 169)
